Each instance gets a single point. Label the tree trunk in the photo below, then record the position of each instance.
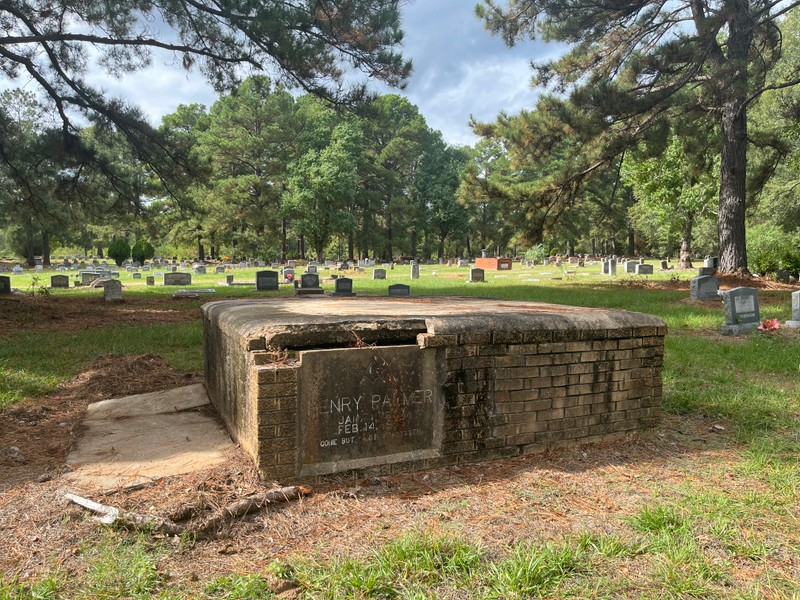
(413, 249)
(29, 253)
(685, 260)
(201, 251)
(594, 246)
(631, 242)
(389, 235)
(469, 249)
(732, 184)
(351, 245)
(302, 247)
(283, 240)
(46, 248)
(733, 123)
(100, 251)
(441, 246)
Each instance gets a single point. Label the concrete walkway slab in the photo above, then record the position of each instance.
(133, 440)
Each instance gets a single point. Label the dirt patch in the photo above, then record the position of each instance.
(45, 313)
(36, 435)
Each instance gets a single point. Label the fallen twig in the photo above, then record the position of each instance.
(110, 515)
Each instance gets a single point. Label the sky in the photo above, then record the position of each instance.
(459, 70)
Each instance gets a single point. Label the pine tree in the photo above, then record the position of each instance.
(630, 62)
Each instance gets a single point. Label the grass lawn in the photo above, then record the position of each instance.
(705, 505)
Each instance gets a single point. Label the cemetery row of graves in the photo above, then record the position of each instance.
(703, 505)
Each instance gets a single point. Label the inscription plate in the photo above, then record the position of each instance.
(368, 406)
(745, 304)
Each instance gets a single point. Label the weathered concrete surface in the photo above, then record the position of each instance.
(144, 437)
(468, 380)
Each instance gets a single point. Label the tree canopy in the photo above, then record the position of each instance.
(634, 65)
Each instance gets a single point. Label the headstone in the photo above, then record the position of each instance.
(5, 284)
(344, 287)
(642, 269)
(229, 279)
(39, 268)
(612, 268)
(146, 268)
(704, 287)
(151, 280)
(311, 269)
(59, 281)
(158, 273)
(463, 264)
(219, 270)
(288, 274)
(177, 279)
(795, 322)
(267, 281)
(112, 290)
(741, 311)
(711, 262)
(604, 265)
(630, 266)
(477, 276)
(137, 275)
(664, 265)
(379, 274)
(309, 285)
(782, 276)
(399, 290)
(706, 271)
(88, 277)
(17, 270)
(291, 264)
(414, 271)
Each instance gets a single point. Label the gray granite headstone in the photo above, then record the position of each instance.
(710, 262)
(59, 281)
(379, 273)
(5, 284)
(112, 290)
(705, 271)
(463, 263)
(630, 266)
(795, 322)
(137, 275)
(642, 269)
(177, 279)
(399, 290)
(344, 287)
(219, 270)
(704, 287)
(604, 265)
(414, 271)
(311, 269)
(288, 273)
(477, 276)
(267, 281)
(151, 280)
(200, 269)
(612, 267)
(741, 310)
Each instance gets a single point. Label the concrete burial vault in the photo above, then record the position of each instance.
(317, 389)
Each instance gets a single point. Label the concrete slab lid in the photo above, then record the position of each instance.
(270, 319)
(133, 440)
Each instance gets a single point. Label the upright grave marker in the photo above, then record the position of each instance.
(704, 287)
(379, 274)
(477, 276)
(795, 322)
(741, 311)
(112, 290)
(309, 285)
(177, 279)
(267, 281)
(59, 281)
(399, 290)
(5, 284)
(344, 287)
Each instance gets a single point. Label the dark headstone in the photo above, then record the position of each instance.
(399, 290)
(643, 269)
(309, 285)
(137, 275)
(477, 276)
(664, 265)
(151, 280)
(229, 279)
(344, 287)
(704, 287)
(177, 279)
(59, 281)
(782, 276)
(5, 284)
(379, 273)
(706, 271)
(267, 281)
